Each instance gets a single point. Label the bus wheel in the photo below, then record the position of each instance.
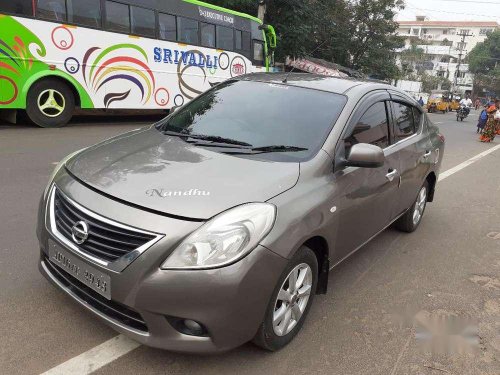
(50, 103)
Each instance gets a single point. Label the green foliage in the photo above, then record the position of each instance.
(358, 34)
(484, 62)
(433, 83)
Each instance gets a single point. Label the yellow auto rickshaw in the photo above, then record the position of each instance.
(438, 101)
(454, 105)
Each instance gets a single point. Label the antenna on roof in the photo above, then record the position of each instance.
(309, 53)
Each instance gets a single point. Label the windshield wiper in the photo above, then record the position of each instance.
(266, 149)
(210, 138)
(279, 148)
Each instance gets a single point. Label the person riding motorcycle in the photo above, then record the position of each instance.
(467, 103)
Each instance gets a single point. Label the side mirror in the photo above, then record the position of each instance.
(365, 155)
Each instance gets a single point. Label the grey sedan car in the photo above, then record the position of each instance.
(219, 224)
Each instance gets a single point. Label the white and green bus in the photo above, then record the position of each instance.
(58, 55)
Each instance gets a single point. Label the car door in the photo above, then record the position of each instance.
(365, 196)
(411, 142)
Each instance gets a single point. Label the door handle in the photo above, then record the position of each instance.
(392, 173)
(427, 154)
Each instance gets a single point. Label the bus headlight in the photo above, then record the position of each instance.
(225, 239)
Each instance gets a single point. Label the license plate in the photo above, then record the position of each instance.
(88, 275)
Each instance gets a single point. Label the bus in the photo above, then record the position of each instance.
(58, 55)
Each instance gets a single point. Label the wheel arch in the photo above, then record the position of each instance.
(431, 180)
(82, 99)
(319, 246)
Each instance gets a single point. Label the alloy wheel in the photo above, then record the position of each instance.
(51, 103)
(420, 206)
(292, 299)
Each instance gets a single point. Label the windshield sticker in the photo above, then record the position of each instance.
(176, 193)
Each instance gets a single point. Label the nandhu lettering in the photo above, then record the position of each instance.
(169, 56)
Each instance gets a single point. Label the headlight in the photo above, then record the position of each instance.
(225, 239)
(58, 168)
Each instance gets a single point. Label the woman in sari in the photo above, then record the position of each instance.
(490, 129)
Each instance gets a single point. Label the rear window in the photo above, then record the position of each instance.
(404, 122)
(261, 114)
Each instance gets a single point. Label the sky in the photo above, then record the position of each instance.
(451, 10)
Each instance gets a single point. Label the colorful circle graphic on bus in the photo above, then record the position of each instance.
(72, 65)
(14, 87)
(162, 97)
(178, 100)
(224, 61)
(238, 66)
(62, 38)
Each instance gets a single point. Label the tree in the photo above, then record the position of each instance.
(484, 62)
(359, 34)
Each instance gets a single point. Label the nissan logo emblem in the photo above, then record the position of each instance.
(80, 232)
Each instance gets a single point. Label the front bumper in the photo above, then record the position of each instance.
(230, 302)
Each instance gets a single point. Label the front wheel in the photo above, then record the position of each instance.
(290, 302)
(50, 103)
(410, 221)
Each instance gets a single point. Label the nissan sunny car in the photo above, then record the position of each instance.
(219, 224)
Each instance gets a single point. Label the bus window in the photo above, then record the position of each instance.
(238, 36)
(187, 31)
(86, 13)
(117, 17)
(168, 29)
(258, 53)
(143, 21)
(225, 38)
(246, 41)
(21, 7)
(207, 35)
(51, 10)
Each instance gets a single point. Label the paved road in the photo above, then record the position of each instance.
(449, 267)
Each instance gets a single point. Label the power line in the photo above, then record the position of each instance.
(445, 11)
(471, 1)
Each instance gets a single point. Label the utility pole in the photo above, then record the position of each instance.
(464, 35)
(262, 10)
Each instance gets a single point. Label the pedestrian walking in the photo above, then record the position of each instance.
(421, 101)
(490, 129)
(481, 122)
(477, 103)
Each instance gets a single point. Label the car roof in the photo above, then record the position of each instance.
(335, 85)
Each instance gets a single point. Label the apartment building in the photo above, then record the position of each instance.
(442, 42)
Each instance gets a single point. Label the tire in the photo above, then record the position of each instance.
(407, 222)
(266, 337)
(58, 99)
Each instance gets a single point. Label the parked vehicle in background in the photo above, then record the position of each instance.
(132, 54)
(438, 101)
(219, 224)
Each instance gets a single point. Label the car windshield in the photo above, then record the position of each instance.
(436, 96)
(259, 120)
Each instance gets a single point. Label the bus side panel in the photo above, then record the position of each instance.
(111, 70)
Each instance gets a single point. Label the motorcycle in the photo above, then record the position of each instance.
(462, 113)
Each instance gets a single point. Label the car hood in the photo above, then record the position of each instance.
(166, 174)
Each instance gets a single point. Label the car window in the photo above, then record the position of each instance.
(261, 114)
(417, 115)
(372, 128)
(403, 121)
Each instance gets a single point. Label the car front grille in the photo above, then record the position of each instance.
(106, 240)
(111, 309)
